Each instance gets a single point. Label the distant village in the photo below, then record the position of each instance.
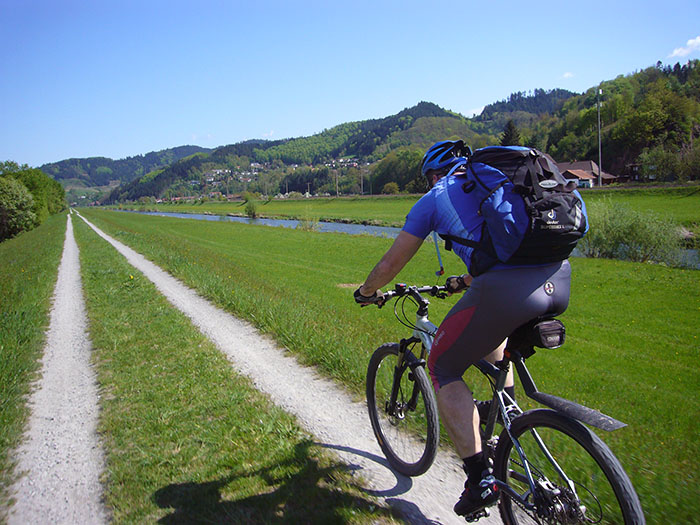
(585, 173)
(213, 184)
(218, 178)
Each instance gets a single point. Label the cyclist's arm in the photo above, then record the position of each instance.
(404, 248)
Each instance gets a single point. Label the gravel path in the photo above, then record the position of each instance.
(324, 409)
(60, 459)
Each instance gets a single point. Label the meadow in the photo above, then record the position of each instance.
(681, 205)
(632, 329)
(185, 436)
(186, 439)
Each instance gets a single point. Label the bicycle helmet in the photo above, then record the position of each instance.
(444, 155)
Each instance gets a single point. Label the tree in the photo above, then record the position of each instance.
(390, 188)
(16, 205)
(48, 195)
(400, 166)
(511, 135)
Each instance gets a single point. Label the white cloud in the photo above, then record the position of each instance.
(268, 135)
(692, 45)
(568, 74)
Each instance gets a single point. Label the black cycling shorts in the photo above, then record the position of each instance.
(496, 303)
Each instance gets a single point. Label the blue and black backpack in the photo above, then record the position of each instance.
(556, 215)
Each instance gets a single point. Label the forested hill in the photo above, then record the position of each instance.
(650, 126)
(540, 101)
(98, 171)
(523, 108)
(364, 141)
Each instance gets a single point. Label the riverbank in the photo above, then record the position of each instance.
(680, 204)
(686, 258)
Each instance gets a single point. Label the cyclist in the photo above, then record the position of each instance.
(496, 303)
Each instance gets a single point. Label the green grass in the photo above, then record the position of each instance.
(186, 439)
(28, 270)
(384, 211)
(632, 328)
(681, 205)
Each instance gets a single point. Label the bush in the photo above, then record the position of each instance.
(307, 222)
(618, 232)
(250, 209)
(390, 188)
(16, 205)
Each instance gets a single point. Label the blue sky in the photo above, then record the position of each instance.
(117, 78)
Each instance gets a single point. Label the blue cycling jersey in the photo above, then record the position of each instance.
(448, 209)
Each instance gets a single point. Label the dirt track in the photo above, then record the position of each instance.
(324, 409)
(61, 457)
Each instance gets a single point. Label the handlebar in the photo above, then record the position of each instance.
(401, 289)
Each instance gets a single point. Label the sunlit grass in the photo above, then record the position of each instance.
(186, 439)
(28, 269)
(632, 328)
(680, 205)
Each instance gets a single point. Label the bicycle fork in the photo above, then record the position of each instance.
(393, 408)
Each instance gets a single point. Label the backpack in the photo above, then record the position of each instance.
(555, 214)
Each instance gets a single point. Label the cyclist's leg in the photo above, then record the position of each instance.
(497, 355)
(496, 304)
(461, 340)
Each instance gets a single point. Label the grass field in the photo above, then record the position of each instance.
(681, 205)
(632, 329)
(187, 439)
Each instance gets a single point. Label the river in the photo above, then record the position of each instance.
(326, 227)
(691, 258)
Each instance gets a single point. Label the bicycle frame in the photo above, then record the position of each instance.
(535, 482)
(499, 371)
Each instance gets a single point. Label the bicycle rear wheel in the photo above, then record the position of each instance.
(409, 430)
(602, 493)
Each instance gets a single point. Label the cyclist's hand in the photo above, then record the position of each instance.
(457, 283)
(377, 298)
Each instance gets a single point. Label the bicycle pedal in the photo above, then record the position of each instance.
(476, 516)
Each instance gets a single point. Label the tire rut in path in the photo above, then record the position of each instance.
(60, 459)
(322, 408)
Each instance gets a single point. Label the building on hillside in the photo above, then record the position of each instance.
(583, 178)
(576, 171)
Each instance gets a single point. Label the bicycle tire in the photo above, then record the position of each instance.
(410, 439)
(601, 483)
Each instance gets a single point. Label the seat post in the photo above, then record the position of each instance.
(524, 374)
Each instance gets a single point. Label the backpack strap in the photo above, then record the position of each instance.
(532, 174)
(449, 239)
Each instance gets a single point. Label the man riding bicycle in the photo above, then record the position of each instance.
(496, 302)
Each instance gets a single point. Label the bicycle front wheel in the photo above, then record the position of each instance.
(577, 477)
(407, 430)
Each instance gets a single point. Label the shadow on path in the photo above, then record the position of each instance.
(300, 490)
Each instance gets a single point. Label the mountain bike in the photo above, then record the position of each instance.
(549, 466)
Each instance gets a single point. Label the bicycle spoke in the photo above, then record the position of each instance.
(597, 490)
(405, 430)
